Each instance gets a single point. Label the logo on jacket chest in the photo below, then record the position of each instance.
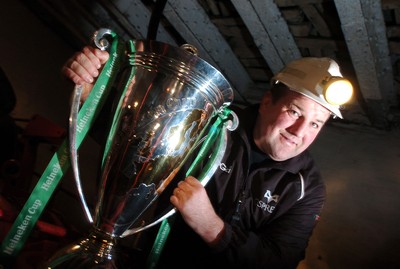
(225, 168)
(268, 202)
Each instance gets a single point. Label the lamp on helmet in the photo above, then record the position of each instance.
(319, 79)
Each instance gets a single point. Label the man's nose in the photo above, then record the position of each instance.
(299, 128)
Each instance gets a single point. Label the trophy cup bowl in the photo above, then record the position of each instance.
(168, 98)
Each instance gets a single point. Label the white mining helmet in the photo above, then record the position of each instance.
(319, 79)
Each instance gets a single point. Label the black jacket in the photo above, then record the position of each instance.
(271, 228)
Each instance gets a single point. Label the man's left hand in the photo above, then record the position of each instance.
(191, 200)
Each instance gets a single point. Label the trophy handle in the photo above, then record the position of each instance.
(73, 118)
(211, 166)
(100, 40)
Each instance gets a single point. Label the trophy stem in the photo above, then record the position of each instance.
(98, 250)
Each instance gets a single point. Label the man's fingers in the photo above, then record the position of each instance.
(85, 65)
(96, 56)
(102, 56)
(192, 181)
(69, 73)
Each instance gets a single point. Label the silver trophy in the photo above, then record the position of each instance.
(169, 99)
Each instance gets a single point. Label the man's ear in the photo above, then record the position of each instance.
(265, 102)
(267, 98)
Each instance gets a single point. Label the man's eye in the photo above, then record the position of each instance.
(294, 113)
(315, 125)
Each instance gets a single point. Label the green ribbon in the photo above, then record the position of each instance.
(117, 114)
(214, 133)
(60, 162)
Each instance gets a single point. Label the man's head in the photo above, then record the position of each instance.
(293, 113)
(319, 79)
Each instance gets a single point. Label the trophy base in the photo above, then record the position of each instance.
(98, 250)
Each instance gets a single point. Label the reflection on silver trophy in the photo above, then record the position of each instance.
(169, 98)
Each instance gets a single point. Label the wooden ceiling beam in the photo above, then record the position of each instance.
(290, 3)
(316, 19)
(365, 34)
(269, 30)
(195, 26)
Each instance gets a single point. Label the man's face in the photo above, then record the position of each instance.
(287, 127)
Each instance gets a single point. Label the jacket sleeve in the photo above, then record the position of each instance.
(279, 243)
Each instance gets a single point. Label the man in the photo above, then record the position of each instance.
(260, 207)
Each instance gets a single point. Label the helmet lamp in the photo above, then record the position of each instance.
(338, 91)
